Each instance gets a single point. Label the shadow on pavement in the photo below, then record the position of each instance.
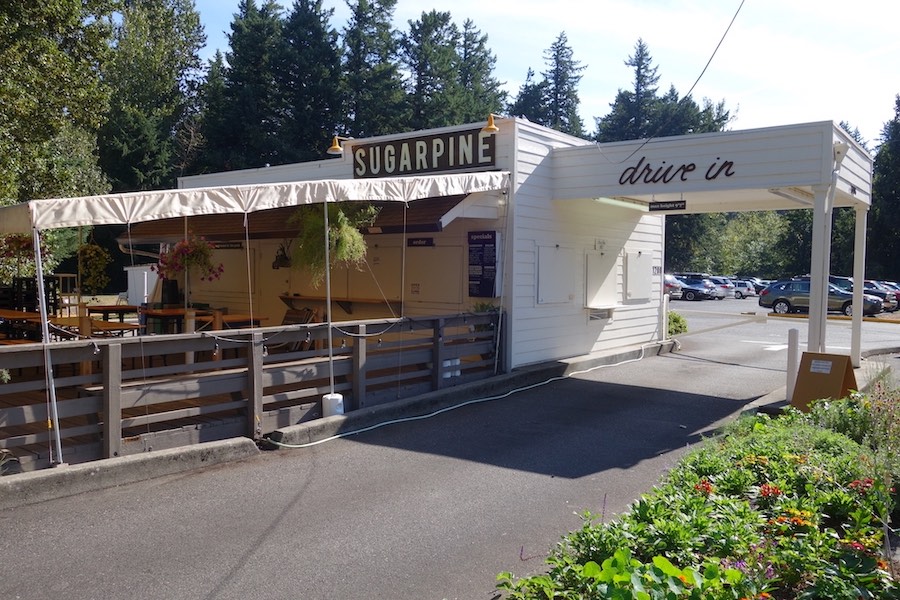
(569, 428)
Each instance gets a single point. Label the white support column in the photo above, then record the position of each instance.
(859, 275)
(819, 260)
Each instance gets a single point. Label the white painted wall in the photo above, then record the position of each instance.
(528, 220)
(542, 331)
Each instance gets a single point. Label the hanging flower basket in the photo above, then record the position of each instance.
(193, 253)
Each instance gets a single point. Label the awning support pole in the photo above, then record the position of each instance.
(859, 275)
(45, 343)
(820, 257)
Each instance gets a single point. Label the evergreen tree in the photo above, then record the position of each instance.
(641, 113)
(562, 76)
(530, 102)
(632, 115)
(214, 133)
(248, 136)
(429, 56)
(884, 221)
(375, 102)
(154, 77)
(482, 92)
(309, 76)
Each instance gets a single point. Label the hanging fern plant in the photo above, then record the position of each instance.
(347, 246)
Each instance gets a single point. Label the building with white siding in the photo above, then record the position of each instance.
(572, 251)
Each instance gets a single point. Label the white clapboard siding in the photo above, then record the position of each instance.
(563, 328)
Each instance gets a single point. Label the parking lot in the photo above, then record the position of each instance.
(739, 326)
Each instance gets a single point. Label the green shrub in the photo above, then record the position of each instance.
(773, 506)
(677, 324)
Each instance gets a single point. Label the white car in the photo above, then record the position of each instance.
(742, 289)
(724, 287)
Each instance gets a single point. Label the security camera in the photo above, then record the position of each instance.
(840, 151)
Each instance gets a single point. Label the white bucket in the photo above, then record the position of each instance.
(332, 404)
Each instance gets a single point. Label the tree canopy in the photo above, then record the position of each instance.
(100, 93)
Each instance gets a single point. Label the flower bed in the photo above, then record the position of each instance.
(791, 507)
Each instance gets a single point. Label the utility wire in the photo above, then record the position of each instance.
(691, 90)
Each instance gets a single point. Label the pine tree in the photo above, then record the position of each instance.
(375, 102)
(562, 76)
(214, 132)
(252, 100)
(429, 56)
(631, 117)
(308, 76)
(884, 222)
(482, 93)
(530, 102)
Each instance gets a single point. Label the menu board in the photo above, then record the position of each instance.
(482, 264)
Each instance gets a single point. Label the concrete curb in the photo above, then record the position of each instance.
(68, 480)
(831, 318)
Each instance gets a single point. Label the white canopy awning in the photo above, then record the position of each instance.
(136, 207)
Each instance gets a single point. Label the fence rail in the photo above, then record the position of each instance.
(120, 396)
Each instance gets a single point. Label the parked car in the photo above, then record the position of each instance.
(888, 300)
(757, 283)
(724, 287)
(872, 286)
(742, 289)
(672, 287)
(792, 295)
(697, 288)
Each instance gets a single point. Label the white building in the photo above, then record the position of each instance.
(576, 241)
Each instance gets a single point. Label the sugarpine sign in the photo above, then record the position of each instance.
(452, 151)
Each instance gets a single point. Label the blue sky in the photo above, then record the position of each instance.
(783, 61)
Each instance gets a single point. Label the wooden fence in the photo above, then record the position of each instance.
(125, 395)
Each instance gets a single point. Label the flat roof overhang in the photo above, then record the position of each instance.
(773, 168)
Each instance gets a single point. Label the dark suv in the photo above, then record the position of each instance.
(792, 295)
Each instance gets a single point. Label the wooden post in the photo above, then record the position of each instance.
(255, 387)
(359, 371)
(112, 400)
(437, 355)
(84, 330)
(190, 326)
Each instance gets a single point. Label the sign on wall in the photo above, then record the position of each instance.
(483, 264)
(452, 151)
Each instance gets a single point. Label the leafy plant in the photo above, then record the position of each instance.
(346, 244)
(93, 260)
(677, 324)
(772, 508)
